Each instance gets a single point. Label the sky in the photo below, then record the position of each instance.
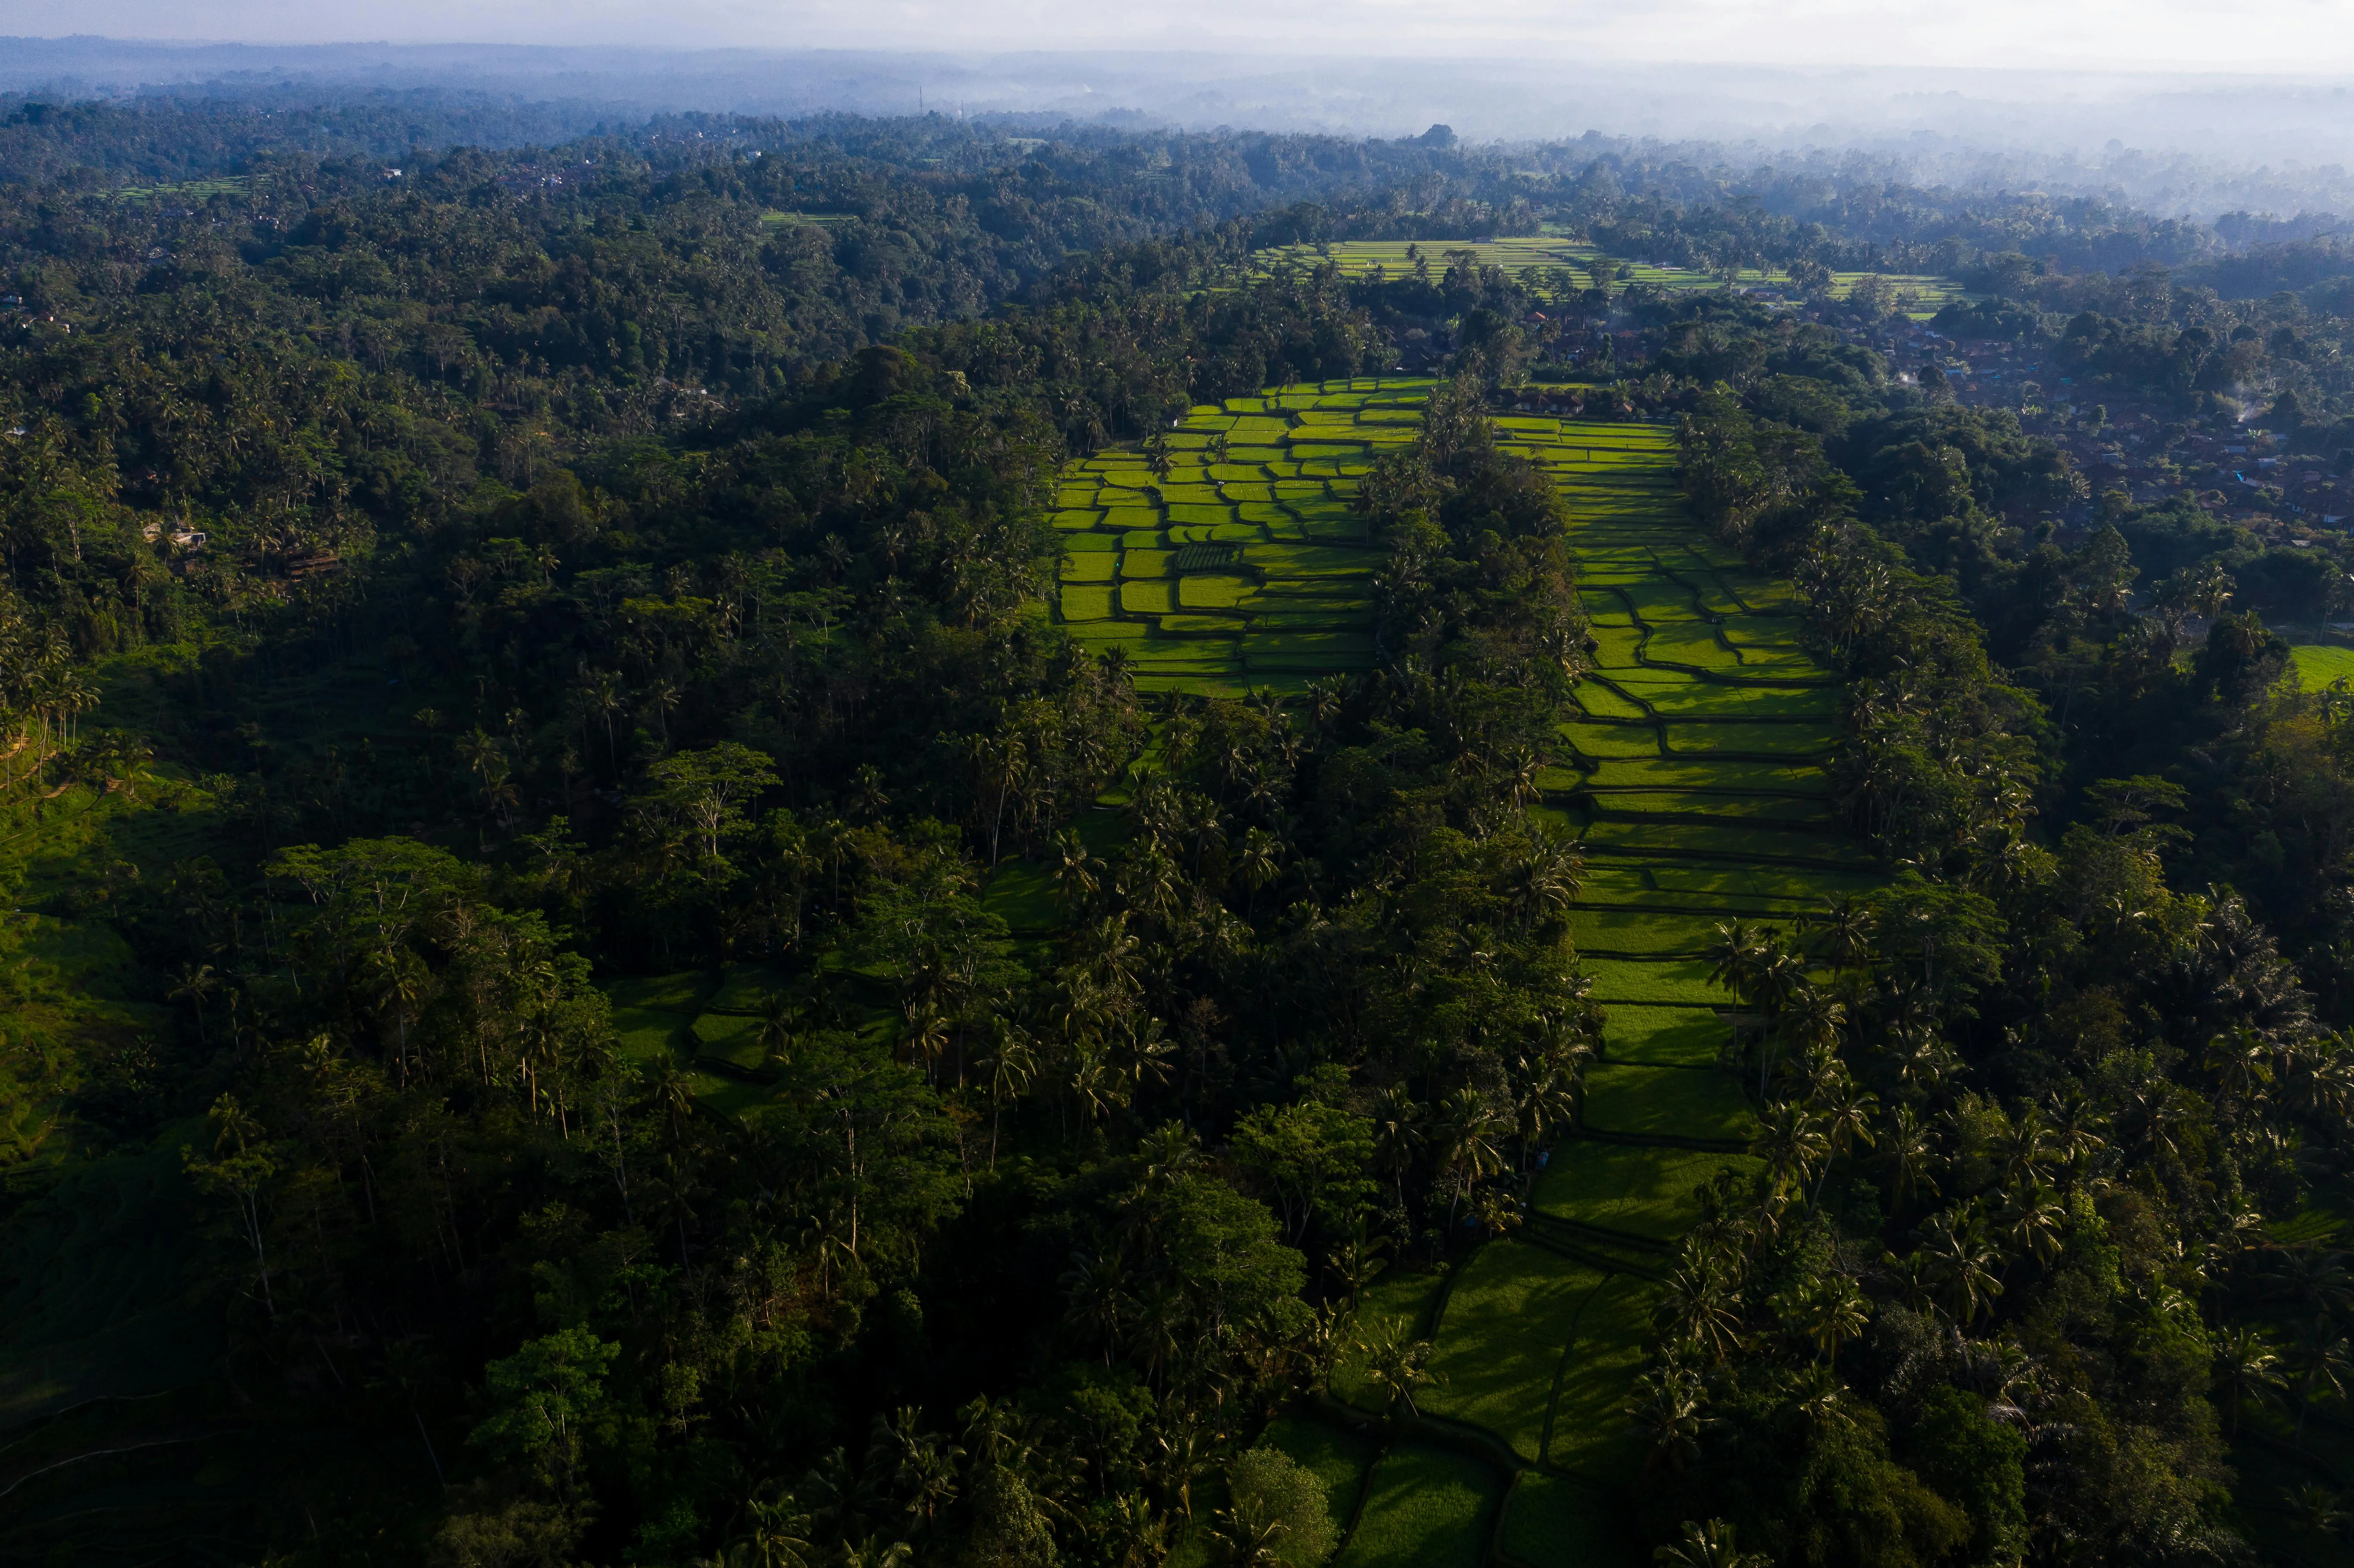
(2307, 38)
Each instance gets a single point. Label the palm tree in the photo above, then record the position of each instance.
(1708, 1545)
(674, 1094)
(1396, 1366)
(2242, 1062)
(866, 792)
(1697, 1310)
(1810, 1022)
(1546, 879)
(2320, 1363)
(1834, 1311)
(776, 1535)
(776, 1034)
(197, 981)
(1139, 1533)
(1666, 1412)
(1776, 977)
(1846, 1122)
(1259, 862)
(1794, 1143)
(661, 697)
(1843, 938)
(1397, 1134)
(1908, 1149)
(1734, 956)
(2033, 1222)
(1959, 1261)
(2247, 1368)
(1013, 1062)
(2074, 1140)
(1097, 1283)
(1465, 1132)
(1549, 1101)
(929, 1031)
(2321, 1509)
(2313, 1277)
(1358, 1259)
(2027, 1145)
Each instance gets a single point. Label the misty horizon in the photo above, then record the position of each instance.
(2179, 143)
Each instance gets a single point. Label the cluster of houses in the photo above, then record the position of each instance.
(2245, 472)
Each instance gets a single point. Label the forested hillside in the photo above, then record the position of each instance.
(858, 842)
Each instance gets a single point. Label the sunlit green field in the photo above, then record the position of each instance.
(1917, 294)
(1237, 562)
(2319, 667)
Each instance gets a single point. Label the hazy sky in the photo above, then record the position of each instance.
(2304, 38)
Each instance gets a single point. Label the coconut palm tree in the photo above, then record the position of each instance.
(776, 1032)
(2247, 1368)
(2319, 1364)
(1665, 1411)
(1396, 1366)
(1698, 1309)
(1960, 1264)
(1466, 1131)
(1708, 1545)
(1397, 1134)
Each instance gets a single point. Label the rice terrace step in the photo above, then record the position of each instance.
(1693, 773)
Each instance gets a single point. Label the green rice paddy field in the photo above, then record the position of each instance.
(1693, 773)
(2320, 666)
(1359, 258)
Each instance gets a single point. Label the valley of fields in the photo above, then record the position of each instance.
(1693, 777)
(1692, 774)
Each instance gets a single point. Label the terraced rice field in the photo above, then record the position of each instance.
(1694, 776)
(1241, 566)
(708, 1023)
(1359, 258)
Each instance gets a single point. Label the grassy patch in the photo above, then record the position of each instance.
(1701, 697)
(648, 1034)
(731, 1038)
(1744, 808)
(1086, 603)
(1666, 1101)
(1400, 1301)
(681, 993)
(1682, 982)
(1590, 1436)
(1634, 1189)
(1157, 597)
(1334, 1455)
(1500, 1340)
(2318, 667)
(1759, 840)
(1426, 1507)
(1657, 773)
(1602, 741)
(1606, 702)
(1662, 1036)
(1691, 643)
(745, 990)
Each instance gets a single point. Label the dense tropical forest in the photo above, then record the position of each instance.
(893, 842)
